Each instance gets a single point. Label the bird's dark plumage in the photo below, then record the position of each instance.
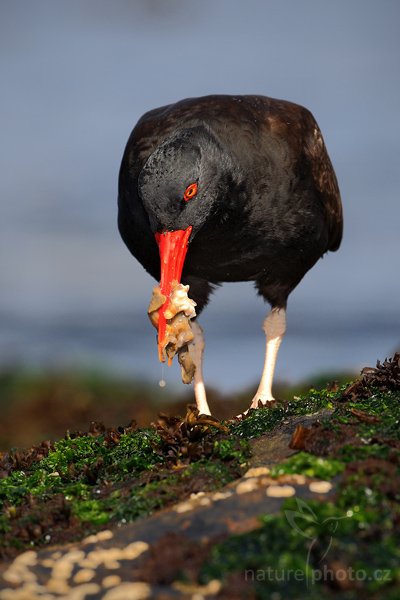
(279, 207)
(268, 204)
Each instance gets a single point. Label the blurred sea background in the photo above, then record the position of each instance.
(75, 77)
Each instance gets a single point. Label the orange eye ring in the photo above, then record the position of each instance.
(190, 192)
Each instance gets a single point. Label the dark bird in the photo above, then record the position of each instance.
(227, 188)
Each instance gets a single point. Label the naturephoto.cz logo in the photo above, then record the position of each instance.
(320, 530)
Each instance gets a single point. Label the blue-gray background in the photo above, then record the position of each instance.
(76, 75)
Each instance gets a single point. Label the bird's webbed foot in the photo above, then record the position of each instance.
(177, 310)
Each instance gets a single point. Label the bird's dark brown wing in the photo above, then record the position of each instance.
(326, 184)
(297, 126)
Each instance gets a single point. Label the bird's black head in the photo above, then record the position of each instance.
(184, 180)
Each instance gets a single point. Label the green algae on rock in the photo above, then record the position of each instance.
(118, 475)
(110, 475)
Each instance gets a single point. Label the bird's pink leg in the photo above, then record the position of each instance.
(274, 327)
(196, 348)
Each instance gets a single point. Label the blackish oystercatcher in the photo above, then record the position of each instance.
(226, 188)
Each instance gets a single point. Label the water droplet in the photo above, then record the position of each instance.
(162, 383)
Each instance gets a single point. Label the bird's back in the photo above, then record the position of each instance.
(277, 143)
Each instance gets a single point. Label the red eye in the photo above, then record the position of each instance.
(190, 192)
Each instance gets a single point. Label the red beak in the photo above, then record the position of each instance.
(173, 247)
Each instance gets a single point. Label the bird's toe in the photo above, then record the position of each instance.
(257, 402)
(260, 400)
